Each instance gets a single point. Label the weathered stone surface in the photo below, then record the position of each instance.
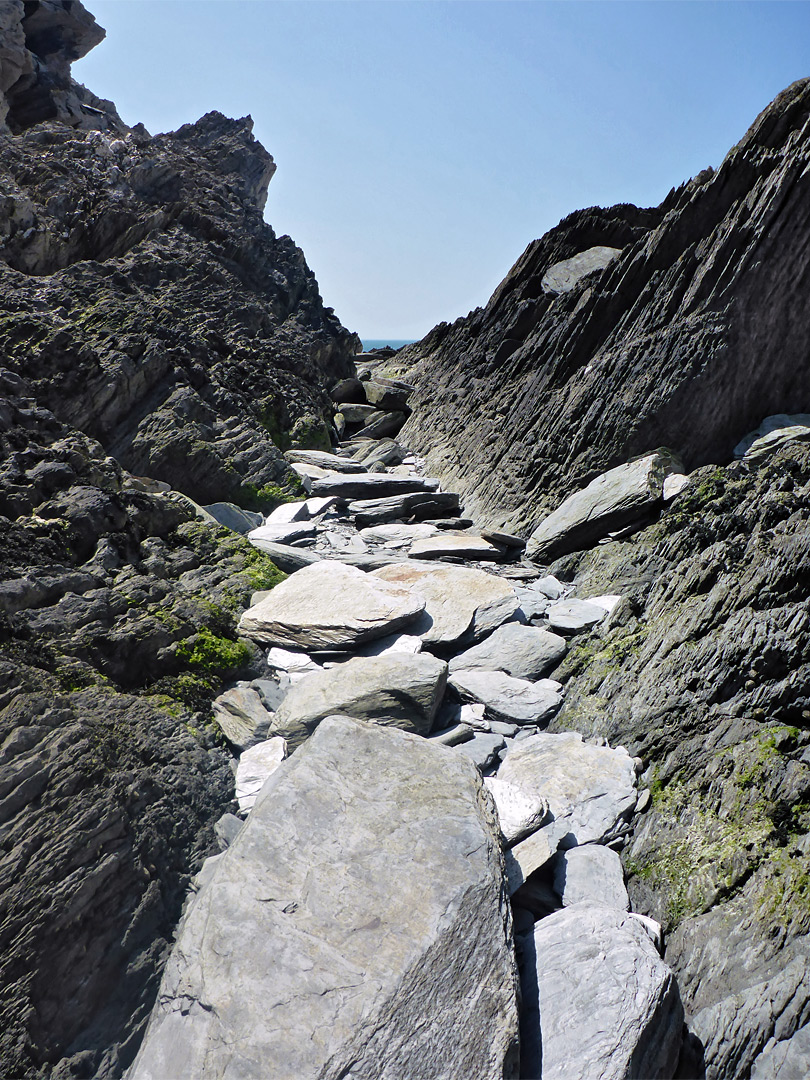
(288, 512)
(525, 652)
(421, 505)
(389, 395)
(393, 643)
(773, 432)
(787, 1059)
(482, 749)
(331, 605)
(371, 486)
(278, 533)
(598, 1001)
(612, 501)
(322, 460)
(384, 533)
(348, 390)
(564, 276)
(590, 873)
(234, 517)
(461, 604)
(255, 765)
(519, 812)
(288, 559)
(382, 425)
(396, 689)
(591, 790)
(463, 546)
(505, 698)
(377, 451)
(241, 716)
(356, 414)
(571, 616)
(319, 918)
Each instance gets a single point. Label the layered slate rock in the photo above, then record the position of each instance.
(461, 604)
(321, 947)
(590, 873)
(563, 276)
(526, 652)
(504, 698)
(613, 501)
(398, 689)
(598, 1001)
(667, 346)
(331, 605)
(461, 546)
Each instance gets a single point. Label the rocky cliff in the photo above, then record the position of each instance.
(686, 337)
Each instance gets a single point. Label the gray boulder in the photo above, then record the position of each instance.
(283, 532)
(519, 813)
(330, 605)
(287, 558)
(598, 1000)
(592, 873)
(788, 1059)
(323, 460)
(388, 395)
(373, 451)
(234, 517)
(563, 276)
(242, 717)
(397, 533)
(420, 505)
(504, 698)
(382, 425)
(482, 749)
(287, 512)
(612, 501)
(323, 947)
(462, 604)
(255, 765)
(461, 546)
(523, 651)
(371, 485)
(571, 616)
(773, 432)
(397, 689)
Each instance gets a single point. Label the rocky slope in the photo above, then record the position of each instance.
(686, 338)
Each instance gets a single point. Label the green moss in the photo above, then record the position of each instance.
(310, 433)
(213, 654)
(266, 498)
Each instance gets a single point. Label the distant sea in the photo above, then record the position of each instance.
(380, 343)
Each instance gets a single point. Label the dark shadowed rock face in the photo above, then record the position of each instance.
(686, 339)
(703, 671)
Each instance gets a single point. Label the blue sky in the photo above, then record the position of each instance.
(422, 144)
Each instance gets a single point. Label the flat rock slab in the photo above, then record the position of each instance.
(772, 432)
(324, 461)
(571, 616)
(383, 534)
(384, 451)
(382, 425)
(419, 505)
(287, 558)
(356, 414)
(590, 789)
(389, 397)
(284, 532)
(563, 276)
(612, 501)
(395, 689)
(287, 512)
(242, 717)
(370, 486)
(254, 766)
(462, 546)
(234, 517)
(330, 605)
(519, 813)
(482, 749)
(598, 998)
(523, 651)
(322, 947)
(515, 701)
(590, 873)
(461, 604)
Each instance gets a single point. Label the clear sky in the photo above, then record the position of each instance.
(422, 144)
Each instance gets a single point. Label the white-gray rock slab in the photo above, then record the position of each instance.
(371, 485)
(254, 766)
(610, 502)
(525, 652)
(598, 998)
(397, 690)
(393, 643)
(504, 698)
(323, 947)
(572, 616)
(289, 512)
(462, 604)
(322, 460)
(590, 873)
(289, 559)
(674, 484)
(284, 533)
(331, 605)
(462, 545)
(382, 534)
(774, 431)
(234, 517)
(482, 749)
(419, 504)
(591, 790)
(288, 660)
(519, 813)
(563, 276)
(318, 506)
(549, 586)
(241, 716)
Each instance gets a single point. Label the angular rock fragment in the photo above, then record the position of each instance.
(482, 749)
(287, 558)
(371, 486)
(519, 812)
(566, 275)
(283, 533)
(504, 698)
(330, 605)
(419, 505)
(382, 425)
(612, 501)
(590, 873)
(373, 451)
(255, 765)
(773, 432)
(461, 604)
(242, 717)
(288, 512)
(322, 460)
(526, 652)
(356, 414)
(462, 546)
(382, 534)
(233, 517)
(597, 998)
(323, 947)
(390, 396)
(571, 616)
(396, 689)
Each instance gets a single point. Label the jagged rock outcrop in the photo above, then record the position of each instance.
(686, 339)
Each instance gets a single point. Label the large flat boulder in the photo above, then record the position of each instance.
(598, 1000)
(420, 505)
(612, 501)
(398, 689)
(330, 605)
(526, 652)
(458, 545)
(322, 947)
(323, 460)
(462, 605)
(371, 485)
(516, 701)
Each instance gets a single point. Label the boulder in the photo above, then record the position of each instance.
(356, 414)
(383, 534)
(284, 533)
(331, 605)
(461, 546)
(519, 812)
(787, 1059)
(591, 790)
(482, 749)
(289, 559)
(255, 765)
(393, 643)
(322, 460)
(288, 512)
(597, 998)
(388, 396)
(397, 689)
(348, 390)
(773, 432)
(461, 604)
(571, 616)
(234, 517)
(523, 651)
(322, 947)
(504, 698)
(242, 717)
(316, 507)
(382, 425)
(590, 873)
(612, 501)
(373, 451)
(563, 276)
(371, 486)
(420, 505)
